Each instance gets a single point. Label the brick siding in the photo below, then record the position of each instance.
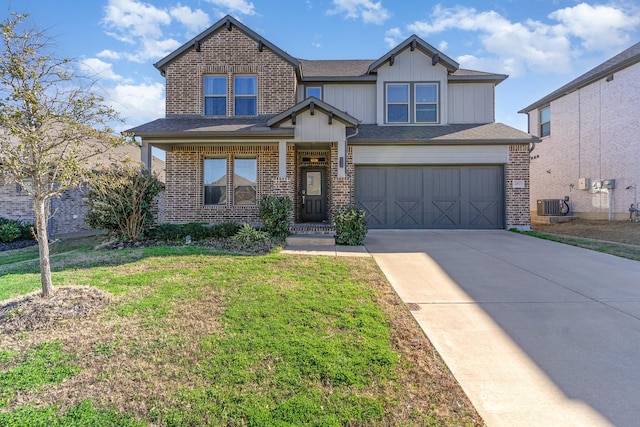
(517, 199)
(229, 53)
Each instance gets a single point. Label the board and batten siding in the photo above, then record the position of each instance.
(431, 155)
(408, 67)
(357, 100)
(471, 103)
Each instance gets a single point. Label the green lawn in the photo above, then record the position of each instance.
(196, 338)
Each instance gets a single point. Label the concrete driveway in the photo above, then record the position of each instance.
(537, 333)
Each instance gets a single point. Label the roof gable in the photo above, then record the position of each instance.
(622, 60)
(227, 22)
(313, 103)
(414, 42)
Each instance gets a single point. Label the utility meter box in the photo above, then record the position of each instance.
(584, 183)
(609, 184)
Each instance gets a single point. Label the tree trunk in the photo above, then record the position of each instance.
(43, 247)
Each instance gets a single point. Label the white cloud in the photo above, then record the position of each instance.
(141, 25)
(393, 37)
(196, 20)
(371, 12)
(97, 68)
(599, 27)
(138, 103)
(517, 46)
(443, 45)
(232, 7)
(109, 54)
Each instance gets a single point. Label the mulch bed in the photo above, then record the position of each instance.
(31, 312)
(17, 244)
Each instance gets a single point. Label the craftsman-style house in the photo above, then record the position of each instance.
(409, 137)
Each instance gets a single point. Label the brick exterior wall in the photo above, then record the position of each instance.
(229, 53)
(594, 134)
(343, 189)
(517, 199)
(67, 212)
(184, 191)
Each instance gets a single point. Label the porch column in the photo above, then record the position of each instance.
(282, 159)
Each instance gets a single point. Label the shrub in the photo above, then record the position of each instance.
(197, 230)
(27, 231)
(120, 199)
(351, 226)
(275, 213)
(9, 231)
(224, 230)
(167, 232)
(248, 234)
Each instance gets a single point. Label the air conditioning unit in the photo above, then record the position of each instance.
(552, 207)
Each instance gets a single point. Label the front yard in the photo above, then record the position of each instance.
(185, 336)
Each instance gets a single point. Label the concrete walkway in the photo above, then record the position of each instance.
(537, 333)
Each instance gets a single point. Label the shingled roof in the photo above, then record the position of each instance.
(622, 60)
(494, 133)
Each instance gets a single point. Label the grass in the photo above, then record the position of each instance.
(613, 248)
(197, 338)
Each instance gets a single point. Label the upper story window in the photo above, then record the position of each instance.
(412, 103)
(426, 103)
(545, 121)
(398, 103)
(313, 91)
(215, 95)
(245, 90)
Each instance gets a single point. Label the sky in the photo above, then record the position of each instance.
(541, 45)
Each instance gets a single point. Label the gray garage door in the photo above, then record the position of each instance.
(469, 197)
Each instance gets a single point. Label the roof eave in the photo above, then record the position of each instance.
(272, 133)
(422, 45)
(336, 79)
(442, 141)
(161, 65)
(496, 79)
(570, 87)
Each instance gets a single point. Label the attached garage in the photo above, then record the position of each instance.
(468, 197)
(444, 187)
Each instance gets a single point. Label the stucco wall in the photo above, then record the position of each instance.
(594, 134)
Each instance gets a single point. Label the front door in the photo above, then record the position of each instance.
(313, 206)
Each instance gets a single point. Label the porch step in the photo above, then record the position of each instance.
(310, 240)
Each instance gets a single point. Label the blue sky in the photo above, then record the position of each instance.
(541, 45)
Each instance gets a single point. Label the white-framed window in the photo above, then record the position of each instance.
(397, 98)
(313, 91)
(215, 181)
(426, 102)
(245, 181)
(245, 91)
(215, 95)
(545, 121)
(414, 102)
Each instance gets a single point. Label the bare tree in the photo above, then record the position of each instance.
(53, 124)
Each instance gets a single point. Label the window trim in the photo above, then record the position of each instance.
(412, 104)
(204, 185)
(387, 102)
(541, 123)
(245, 96)
(205, 95)
(416, 103)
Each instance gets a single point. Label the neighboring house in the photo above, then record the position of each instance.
(409, 137)
(68, 211)
(590, 148)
